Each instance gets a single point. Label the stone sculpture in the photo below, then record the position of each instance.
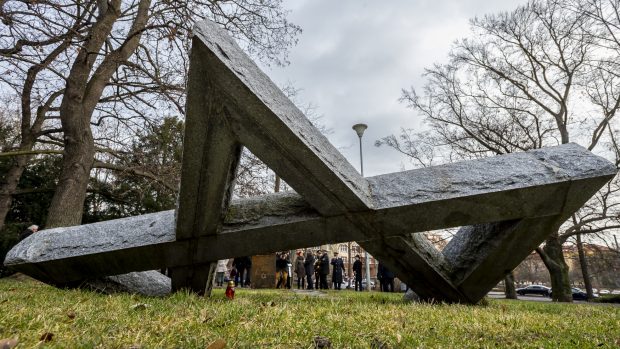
(507, 204)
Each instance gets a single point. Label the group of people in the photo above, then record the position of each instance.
(312, 269)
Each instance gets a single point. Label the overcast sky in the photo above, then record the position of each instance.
(354, 57)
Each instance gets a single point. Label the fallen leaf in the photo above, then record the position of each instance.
(322, 342)
(46, 337)
(399, 338)
(218, 344)
(8, 343)
(206, 316)
(71, 314)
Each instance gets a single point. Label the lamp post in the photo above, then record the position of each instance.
(359, 129)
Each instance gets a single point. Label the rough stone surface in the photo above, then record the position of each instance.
(417, 263)
(148, 283)
(553, 165)
(211, 156)
(102, 237)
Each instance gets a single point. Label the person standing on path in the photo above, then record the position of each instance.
(337, 271)
(309, 266)
(387, 278)
(244, 266)
(220, 270)
(357, 270)
(300, 270)
(317, 269)
(324, 270)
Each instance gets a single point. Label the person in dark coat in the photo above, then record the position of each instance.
(324, 270)
(300, 270)
(337, 271)
(243, 266)
(317, 269)
(357, 270)
(309, 266)
(387, 278)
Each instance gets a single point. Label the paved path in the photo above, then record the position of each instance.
(313, 293)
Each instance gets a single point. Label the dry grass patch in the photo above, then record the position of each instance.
(39, 315)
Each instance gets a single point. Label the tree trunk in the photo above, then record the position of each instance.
(9, 185)
(553, 258)
(81, 95)
(510, 290)
(584, 268)
(68, 202)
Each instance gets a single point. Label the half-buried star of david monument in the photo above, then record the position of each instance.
(506, 205)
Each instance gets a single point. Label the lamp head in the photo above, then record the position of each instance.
(360, 128)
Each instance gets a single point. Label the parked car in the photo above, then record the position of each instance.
(578, 294)
(534, 289)
(615, 292)
(372, 284)
(604, 292)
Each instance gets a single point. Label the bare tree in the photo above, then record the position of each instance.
(90, 73)
(540, 75)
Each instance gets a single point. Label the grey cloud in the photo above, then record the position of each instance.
(354, 57)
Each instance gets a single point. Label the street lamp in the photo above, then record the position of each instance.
(359, 129)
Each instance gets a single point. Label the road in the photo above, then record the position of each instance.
(500, 295)
(494, 294)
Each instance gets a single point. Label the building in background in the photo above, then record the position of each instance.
(603, 264)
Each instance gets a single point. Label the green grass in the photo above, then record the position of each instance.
(610, 298)
(283, 319)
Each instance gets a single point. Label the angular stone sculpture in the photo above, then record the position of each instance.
(507, 204)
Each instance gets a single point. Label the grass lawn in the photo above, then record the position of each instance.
(284, 319)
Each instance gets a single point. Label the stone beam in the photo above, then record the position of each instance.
(148, 242)
(481, 255)
(417, 263)
(210, 158)
(493, 189)
(268, 123)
